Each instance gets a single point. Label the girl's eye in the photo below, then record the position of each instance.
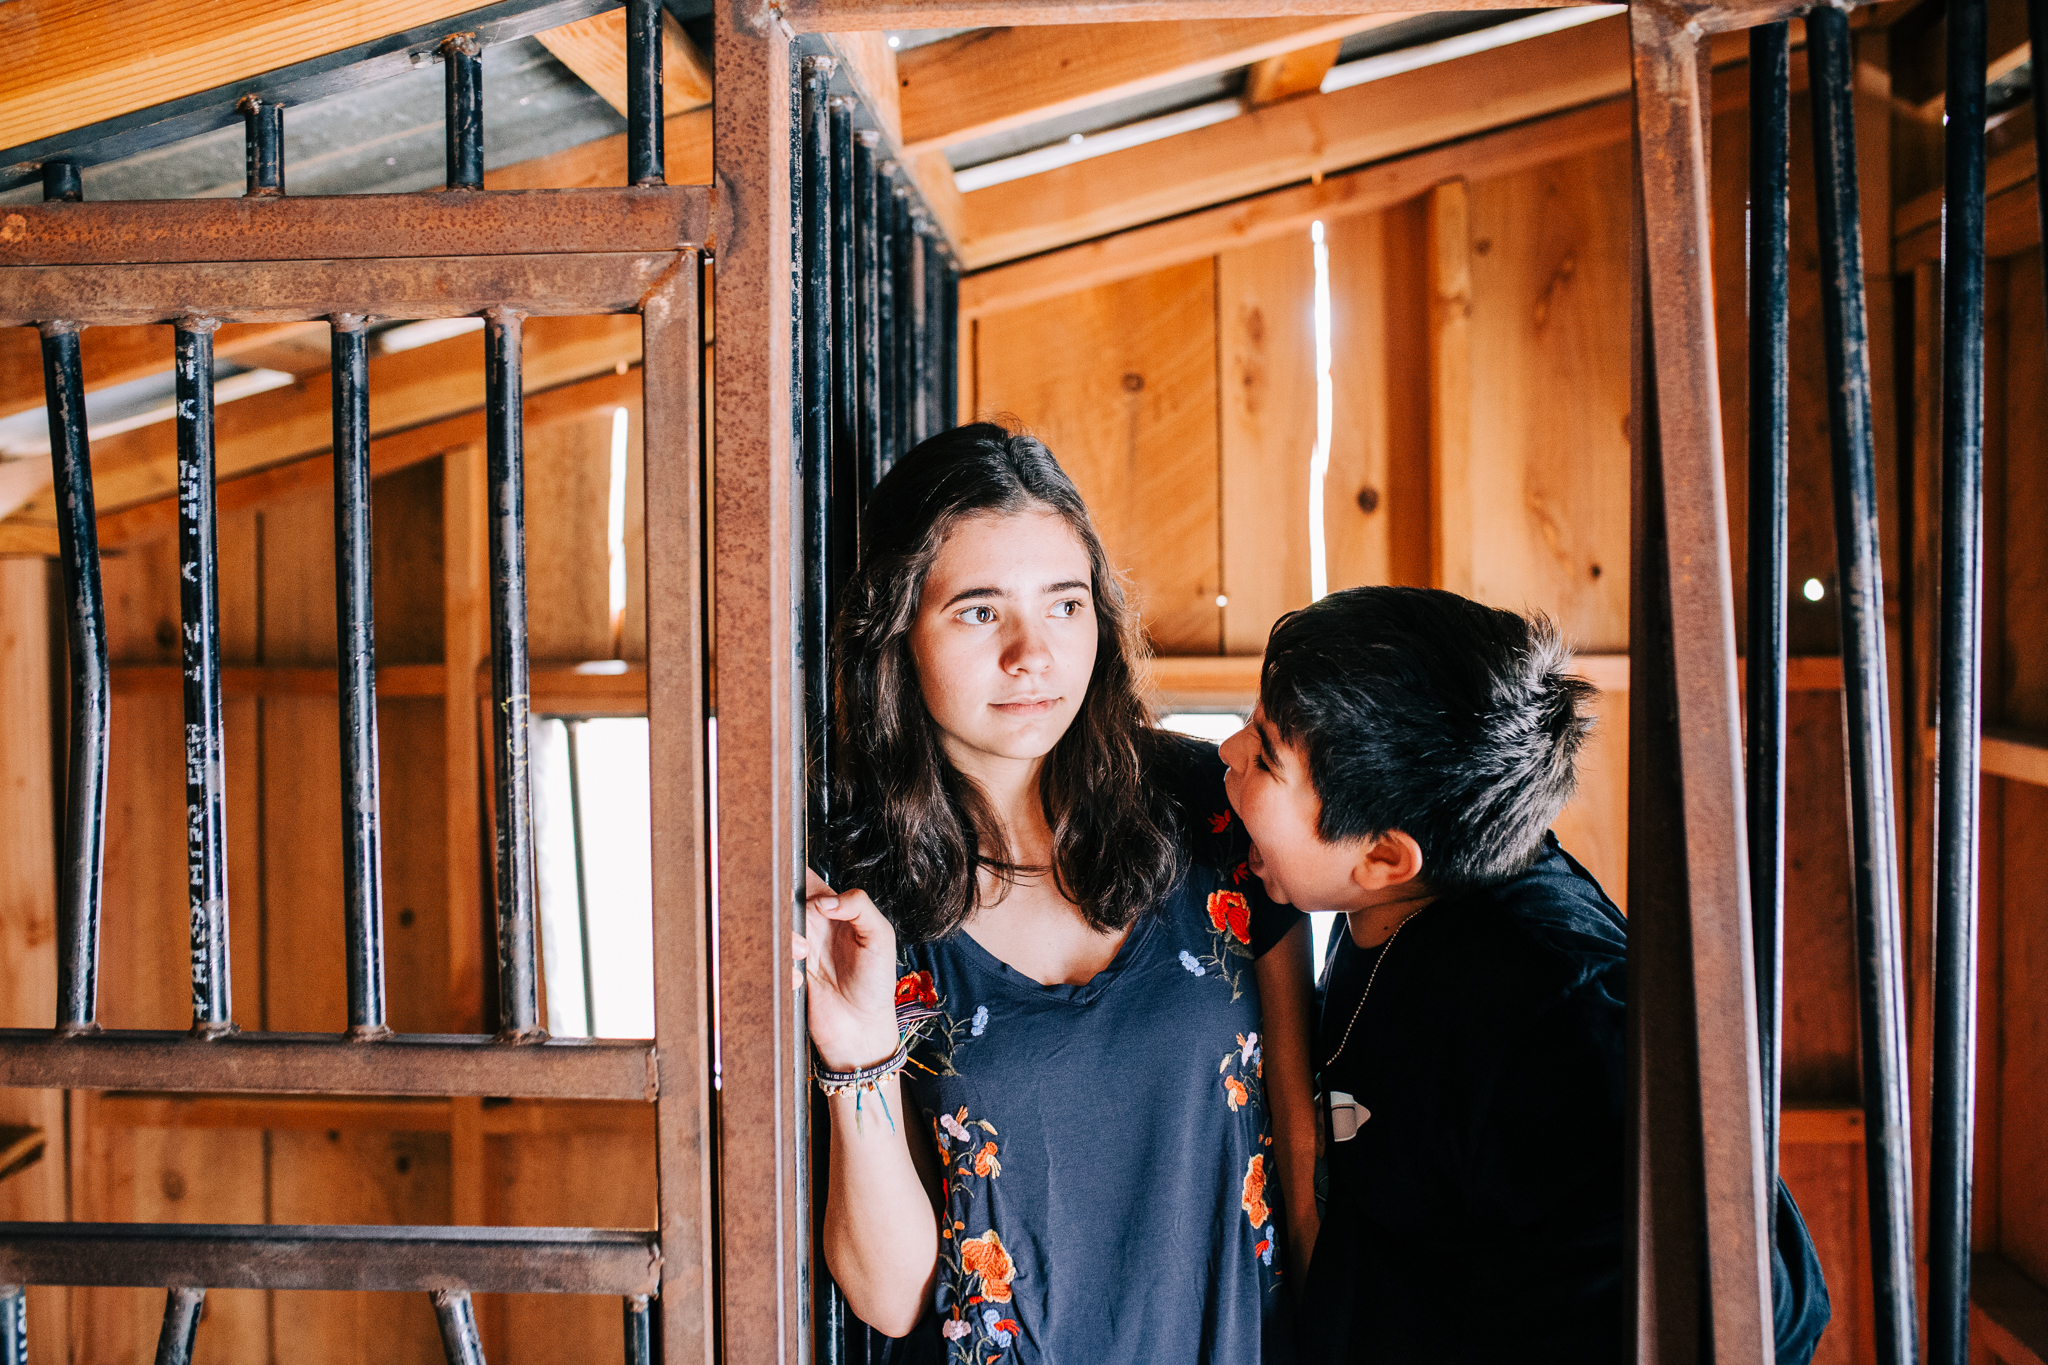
(978, 616)
(1070, 607)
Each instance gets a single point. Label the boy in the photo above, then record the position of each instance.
(1408, 755)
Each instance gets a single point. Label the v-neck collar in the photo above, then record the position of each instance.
(1069, 993)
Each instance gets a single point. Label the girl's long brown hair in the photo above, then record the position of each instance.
(913, 831)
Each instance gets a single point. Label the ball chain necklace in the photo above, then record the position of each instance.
(1371, 977)
(1331, 1101)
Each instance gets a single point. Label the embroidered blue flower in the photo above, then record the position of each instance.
(1187, 960)
(1266, 1245)
(996, 1324)
(980, 1020)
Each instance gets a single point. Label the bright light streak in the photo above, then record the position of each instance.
(1813, 590)
(615, 527)
(1326, 402)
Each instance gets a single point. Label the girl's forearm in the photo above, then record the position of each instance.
(881, 1235)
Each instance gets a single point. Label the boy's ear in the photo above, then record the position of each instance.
(1393, 859)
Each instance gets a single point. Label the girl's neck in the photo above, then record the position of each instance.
(1010, 786)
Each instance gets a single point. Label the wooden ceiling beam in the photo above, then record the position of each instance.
(595, 49)
(830, 16)
(997, 79)
(686, 149)
(116, 355)
(1294, 73)
(1299, 140)
(70, 65)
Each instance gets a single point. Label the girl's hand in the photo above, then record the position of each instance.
(850, 954)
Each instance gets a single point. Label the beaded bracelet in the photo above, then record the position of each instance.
(910, 1022)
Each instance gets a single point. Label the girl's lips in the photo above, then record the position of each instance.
(1036, 707)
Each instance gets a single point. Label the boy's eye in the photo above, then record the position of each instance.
(1259, 762)
(978, 616)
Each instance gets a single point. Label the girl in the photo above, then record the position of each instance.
(1081, 1158)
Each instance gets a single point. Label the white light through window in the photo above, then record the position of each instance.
(1319, 458)
(1813, 591)
(615, 528)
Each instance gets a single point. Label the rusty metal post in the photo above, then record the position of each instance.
(362, 874)
(1959, 711)
(181, 1326)
(13, 1324)
(504, 428)
(1701, 1260)
(1770, 155)
(460, 1343)
(639, 1330)
(1875, 882)
(85, 802)
(644, 153)
(765, 1264)
(464, 100)
(206, 856)
(263, 146)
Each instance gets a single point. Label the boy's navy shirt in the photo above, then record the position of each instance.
(1478, 1213)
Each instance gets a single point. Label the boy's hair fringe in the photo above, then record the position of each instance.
(1428, 713)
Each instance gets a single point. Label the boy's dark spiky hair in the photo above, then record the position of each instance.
(1424, 712)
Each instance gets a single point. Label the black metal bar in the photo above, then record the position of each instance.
(1770, 152)
(181, 1326)
(815, 356)
(206, 859)
(889, 318)
(917, 361)
(457, 1316)
(582, 880)
(480, 1260)
(61, 184)
(263, 146)
(362, 875)
(949, 351)
(518, 983)
(867, 254)
(465, 111)
(903, 317)
(846, 489)
(1887, 1139)
(13, 1325)
(639, 1330)
(644, 152)
(85, 803)
(1958, 716)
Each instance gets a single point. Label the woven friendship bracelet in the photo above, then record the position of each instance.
(910, 1021)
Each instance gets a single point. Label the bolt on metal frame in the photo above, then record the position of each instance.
(457, 253)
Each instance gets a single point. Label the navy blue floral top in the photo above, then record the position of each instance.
(1106, 1148)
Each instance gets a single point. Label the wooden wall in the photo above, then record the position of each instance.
(1480, 363)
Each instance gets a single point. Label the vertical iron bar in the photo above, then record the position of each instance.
(639, 1331)
(1770, 151)
(888, 316)
(569, 729)
(904, 318)
(465, 111)
(845, 364)
(920, 397)
(934, 331)
(355, 624)
(1887, 1140)
(13, 1324)
(61, 184)
(263, 146)
(644, 151)
(868, 187)
(518, 985)
(949, 350)
(199, 602)
(1958, 719)
(181, 1326)
(457, 1316)
(85, 805)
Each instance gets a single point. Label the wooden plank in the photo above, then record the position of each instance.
(825, 16)
(115, 355)
(1265, 362)
(1821, 1125)
(410, 389)
(2008, 1311)
(73, 65)
(1455, 523)
(354, 227)
(2012, 223)
(1120, 382)
(1289, 74)
(595, 49)
(466, 653)
(294, 291)
(256, 680)
(1204, 681)
(1299, 140)
(996, 79)
(2021, 757)
(568, 472)
(686, 159)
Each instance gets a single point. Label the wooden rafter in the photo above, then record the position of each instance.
(1299, 72)
(828, 16)
(595, 49)
(997, 79)
(1298, 140)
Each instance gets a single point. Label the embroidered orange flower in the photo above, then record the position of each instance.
(1231, 913)
(917, 988)
(1219, 822)
(1255, 1192)
(985, 1162)
(984, 1256)
(1240, 872)
(1234, 1088)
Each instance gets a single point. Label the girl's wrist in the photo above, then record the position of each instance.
(873, 1047)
